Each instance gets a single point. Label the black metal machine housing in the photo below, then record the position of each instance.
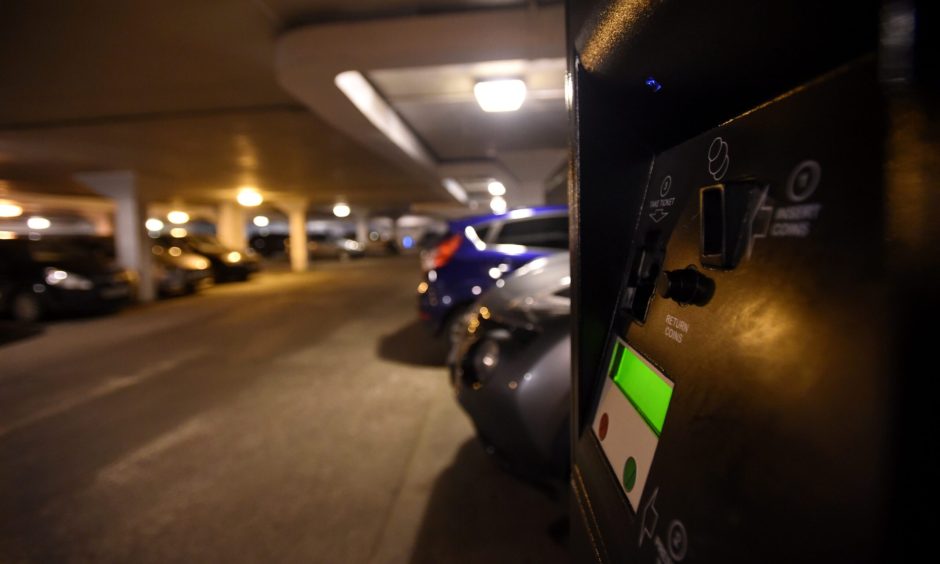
(753, 188)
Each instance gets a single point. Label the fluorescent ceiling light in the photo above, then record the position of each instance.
(496, 188)
(506, 95)
(371, 104)
(455, 189)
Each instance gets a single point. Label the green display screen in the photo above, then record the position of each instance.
(645, 388)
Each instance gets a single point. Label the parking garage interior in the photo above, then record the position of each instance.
(304, 414)
(461, 280)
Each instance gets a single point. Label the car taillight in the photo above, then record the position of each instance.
(446, 250)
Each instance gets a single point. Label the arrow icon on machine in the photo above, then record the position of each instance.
(650, 518)
(658, 215)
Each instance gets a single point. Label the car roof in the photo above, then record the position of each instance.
(459, 224)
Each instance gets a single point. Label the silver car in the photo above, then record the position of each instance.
(512, 369)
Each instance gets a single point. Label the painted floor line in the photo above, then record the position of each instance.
(110, 386)
(125, 469)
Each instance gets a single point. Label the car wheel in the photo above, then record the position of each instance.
(27, 307)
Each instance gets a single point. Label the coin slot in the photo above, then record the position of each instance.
(712, 203)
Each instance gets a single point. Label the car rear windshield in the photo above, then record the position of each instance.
(550, 232)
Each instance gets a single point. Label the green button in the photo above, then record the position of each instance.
(629, 474)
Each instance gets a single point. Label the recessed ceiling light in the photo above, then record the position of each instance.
(38, 223)
(341, 210)
(10, 209)
(249, 197)
(177, 217)
(498, 205)
(505, 95)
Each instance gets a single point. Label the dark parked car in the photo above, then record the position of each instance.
(177, 270)
(511, 369)
(478, 253)
(227, 264)
(46, 277)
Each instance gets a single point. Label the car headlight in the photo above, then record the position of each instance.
(67, 280)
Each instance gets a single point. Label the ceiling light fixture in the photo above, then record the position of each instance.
(177, 217)
(153, 224)
(371, 104)
(341, 209)
(249, 197)
(10, 209)
(455, 189)
(498, 204)
(38, 223)
(496, 188)
(261, 221)
(505, 95)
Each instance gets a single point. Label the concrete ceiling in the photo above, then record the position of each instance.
(422, 115)
(185, 93)
(438, 103)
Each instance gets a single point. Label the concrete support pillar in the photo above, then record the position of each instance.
(362, 228)
(231, 226)
(131, 244)
(297, 224)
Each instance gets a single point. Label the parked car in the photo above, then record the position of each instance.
(48, 276)
(227, 264)
(177, 270)
(511, 369)
(478, 253)
(323, 246)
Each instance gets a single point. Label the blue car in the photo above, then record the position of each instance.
(478, 253)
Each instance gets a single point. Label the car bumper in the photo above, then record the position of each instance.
(521, 406)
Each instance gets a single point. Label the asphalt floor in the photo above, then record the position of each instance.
(292, 418)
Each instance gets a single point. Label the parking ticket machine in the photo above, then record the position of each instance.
(755, 189)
